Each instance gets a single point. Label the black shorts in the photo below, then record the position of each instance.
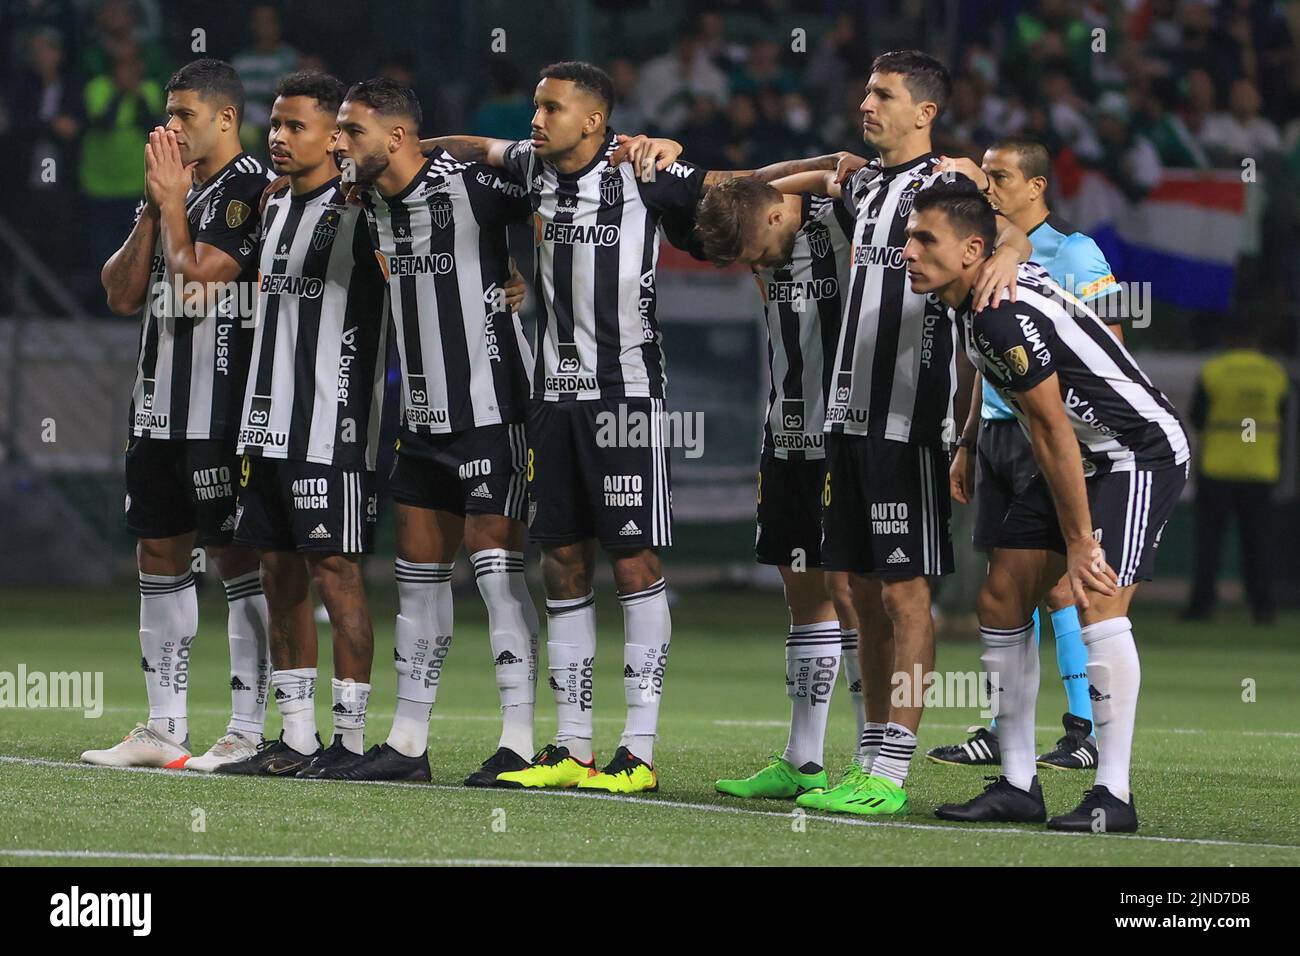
(790, 510)
(175, 486)
(476, 471)
(1129, 511)
(304, 506)
(886, 509)
(1004, 467)
(598, 470)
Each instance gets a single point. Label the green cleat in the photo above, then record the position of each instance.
(779, 780)
(873, 796)
(818, 799)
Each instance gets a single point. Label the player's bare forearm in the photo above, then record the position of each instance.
(470, 149)
(965, 401)
(1012, 235)
(819, 181)
(1056, 451)
(792, 167)
(971, 427)
(125, 276)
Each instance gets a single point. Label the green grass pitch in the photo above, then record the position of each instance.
(1216, 778)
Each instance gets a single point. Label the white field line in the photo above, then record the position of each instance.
(39, 854)
(682, 805)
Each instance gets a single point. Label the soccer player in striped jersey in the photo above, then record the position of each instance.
(798, 247)
(189, 268)
(309, 427)
(889, 419)
(440, 230)
(1113, 458)
(1014, 177)
(599, 362)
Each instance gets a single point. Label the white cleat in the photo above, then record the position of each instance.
(142, 747)
(228, 749)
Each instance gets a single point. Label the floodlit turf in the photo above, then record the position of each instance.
(1217, 778)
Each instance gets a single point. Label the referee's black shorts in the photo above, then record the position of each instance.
(1004, 467)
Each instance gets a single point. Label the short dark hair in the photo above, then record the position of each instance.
(964, 205)
(1031, 155)
(727, 214)
(586, 76)
(326, 90)
(387, 98)
(214, 80)
(925, 76)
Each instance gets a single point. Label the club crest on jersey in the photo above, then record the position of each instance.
(236, 213)
(819, 240)
(1017, 359)
(909, 194)
(611, 186)
(327, 228)
(440, 211)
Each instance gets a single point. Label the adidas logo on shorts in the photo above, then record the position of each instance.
(629, 529)
(319, 532)
(228, 524)
(481, 491)
(898, 557)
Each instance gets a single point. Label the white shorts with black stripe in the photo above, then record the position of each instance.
(477, 471)
(885, 508)
(304, 506)
(599, 469)
(1129, 511)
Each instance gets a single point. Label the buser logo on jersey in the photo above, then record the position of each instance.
(346, 357)
(310, 493)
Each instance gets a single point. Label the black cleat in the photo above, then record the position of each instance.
(504, 760)
(1100, 812)
(274, 758)
(999, 803)
(980, 751)
(335, 755)
(1077, 750)
(381, 762)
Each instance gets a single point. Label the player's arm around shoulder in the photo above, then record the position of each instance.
(470, 149)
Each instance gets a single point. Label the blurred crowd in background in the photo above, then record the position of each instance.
(1126, 87)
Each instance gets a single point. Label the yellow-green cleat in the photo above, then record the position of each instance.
(626, 773)
(553, 766)
(779, 780)
(817, 799)
(873, 796)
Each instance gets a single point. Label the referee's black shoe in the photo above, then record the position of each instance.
(1077, 750)
(274, 758)
(1100, 812)
(980, 751)
(381, 762)
(999, 803)
(335, 755)
(504, 760)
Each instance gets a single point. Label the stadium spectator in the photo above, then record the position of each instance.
(506, 112)
(260, 67)
(1051, 33)
(1238, 410)
(119, 33)
(1127, 157)
(1240, 132)
(762, 70)
(669, 81)
(627, 111)
(1164, 121)
(121, 106)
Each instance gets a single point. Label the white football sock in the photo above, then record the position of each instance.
(851, 664)
(570, 658)
(647, 632)
(1115, 676)
(250, 661)
(512, 632)
(350, 699)
(1010, 662)
(169, 619)
(812, 660)
(423, 638)
(873, 735)
(295, 696)
(895, 755)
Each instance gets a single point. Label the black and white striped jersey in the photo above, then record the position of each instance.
(803, 302)
(442, 245)
(895, 366)
(1122, 421)
(596, 242)
(316, 382)
(189, 377)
